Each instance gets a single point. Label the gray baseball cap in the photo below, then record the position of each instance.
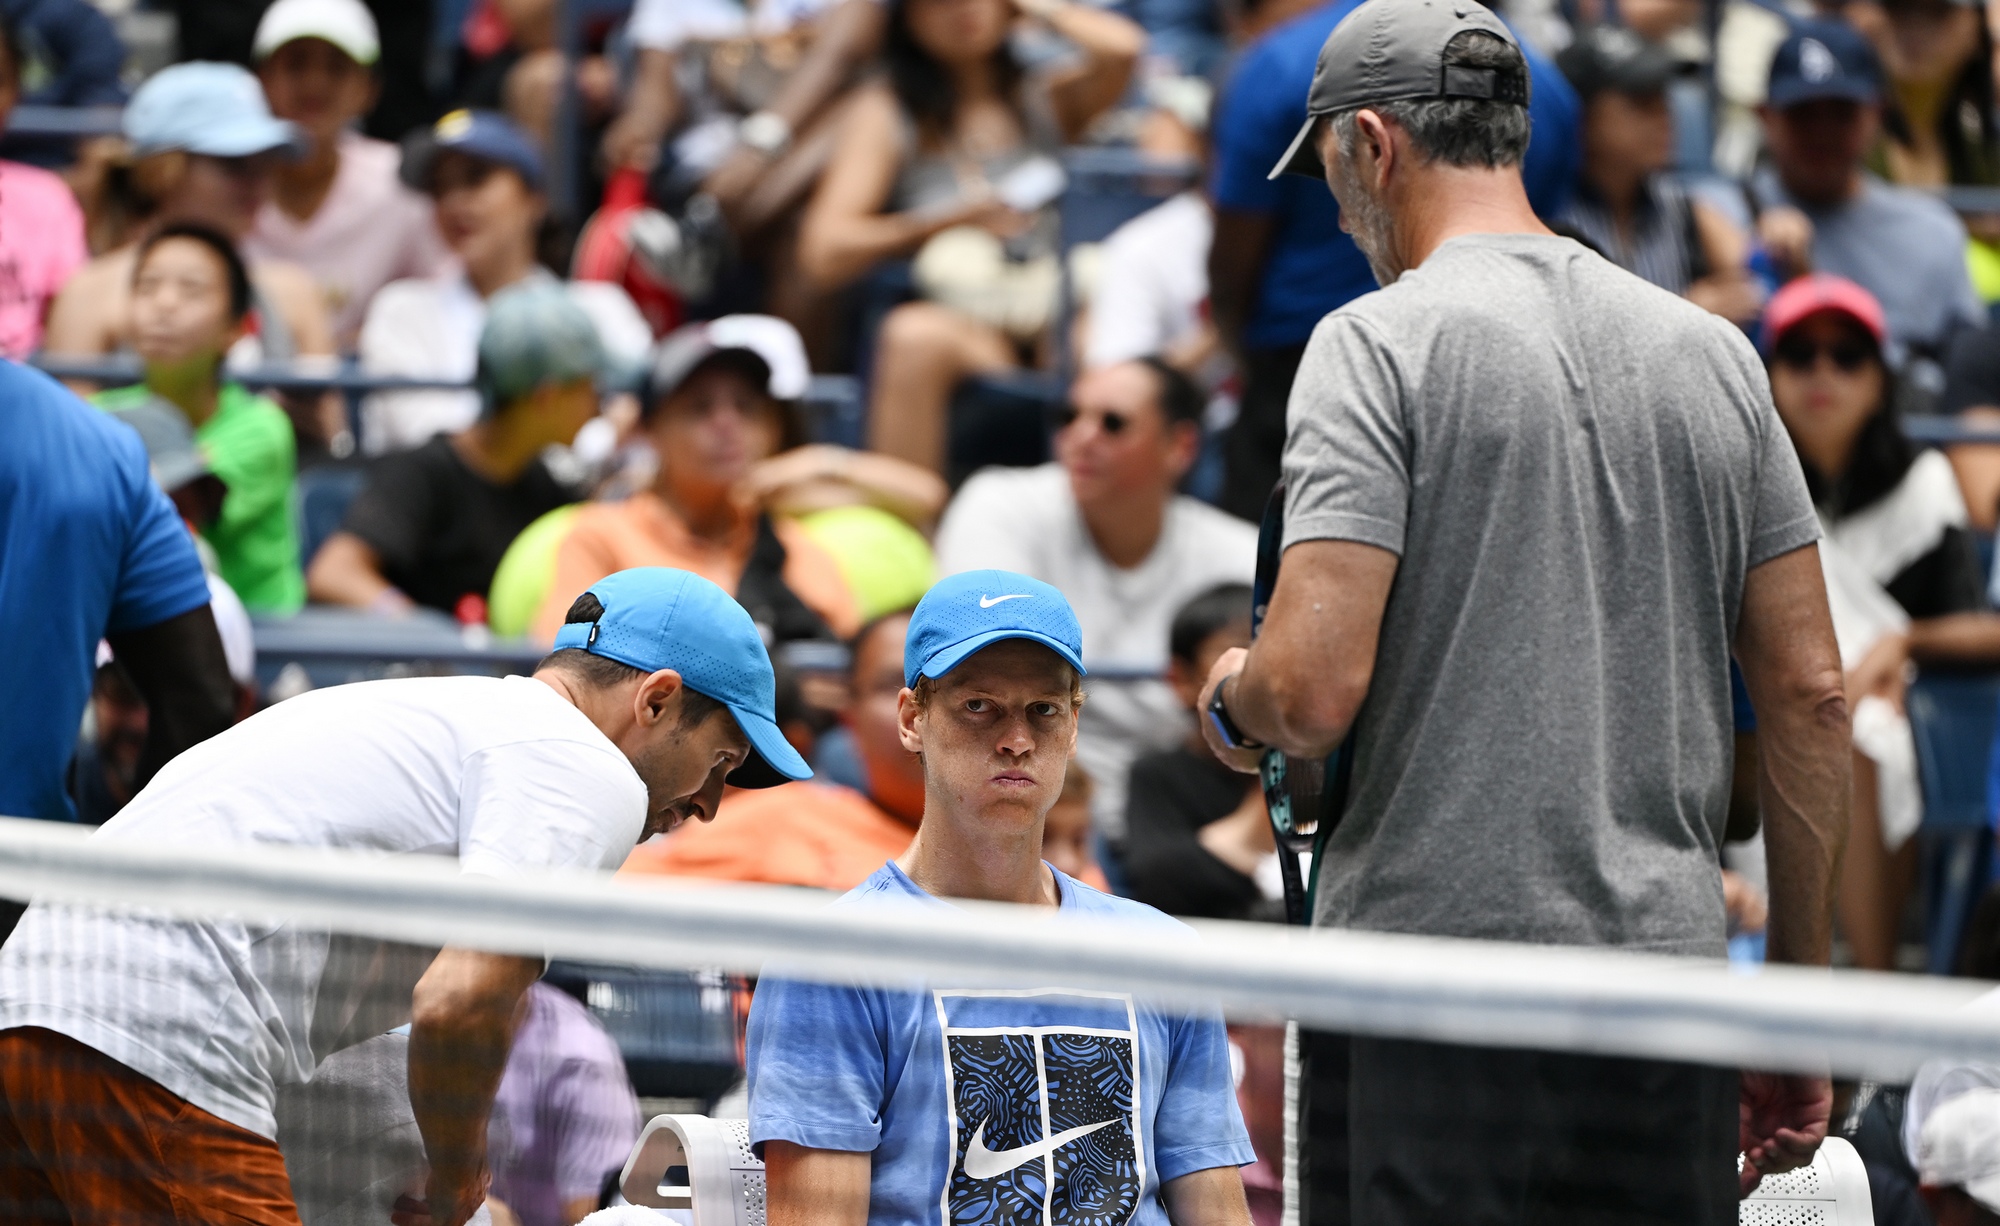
(1393, 50)
(535, 334)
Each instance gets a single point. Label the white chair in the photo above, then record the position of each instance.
(698, 1164)
(1833, 1191)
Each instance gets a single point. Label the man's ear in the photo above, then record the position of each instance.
(1183, 447)
(1374, 148)
(657, 698)
(906, 721)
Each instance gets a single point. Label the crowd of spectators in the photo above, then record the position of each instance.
(612, 267)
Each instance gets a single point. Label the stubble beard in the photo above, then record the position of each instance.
(1371, 225)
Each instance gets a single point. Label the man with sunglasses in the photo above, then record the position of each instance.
(1532, 505)
(1106, 525)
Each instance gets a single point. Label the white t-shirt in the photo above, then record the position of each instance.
(663, 25)
(1026, 520)
(1151, 282)
(506, 775)
(429, 328)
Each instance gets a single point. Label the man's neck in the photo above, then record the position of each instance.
(949, 860)
(1810, 196)
(301, 187)
(194, 386)
(490, 278)
(706, 510)
(500, 448)
(1125, 531)
(1443, 202)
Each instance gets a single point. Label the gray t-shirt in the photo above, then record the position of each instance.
(1576, 469)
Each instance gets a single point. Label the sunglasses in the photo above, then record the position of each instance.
(1110, 421)
(1800, 353)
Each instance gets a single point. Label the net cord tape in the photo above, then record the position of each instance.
(1606, 1002)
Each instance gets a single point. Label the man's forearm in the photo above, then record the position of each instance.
(1805, 788)
(464, 1013)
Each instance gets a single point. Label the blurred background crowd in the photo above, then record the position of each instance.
(432, 313)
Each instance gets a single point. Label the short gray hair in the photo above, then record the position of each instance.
(1458, 131)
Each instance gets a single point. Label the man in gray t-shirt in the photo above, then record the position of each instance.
(1533, 504)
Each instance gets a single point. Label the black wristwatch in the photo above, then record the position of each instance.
(1218, 715)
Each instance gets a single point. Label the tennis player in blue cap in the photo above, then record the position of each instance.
(171, 1039)
(935, 1106)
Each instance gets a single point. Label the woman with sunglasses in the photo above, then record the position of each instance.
(1903, 571)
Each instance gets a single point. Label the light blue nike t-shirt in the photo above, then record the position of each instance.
(1034, 1107)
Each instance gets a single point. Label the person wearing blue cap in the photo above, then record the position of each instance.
(1819, 209)
(485, 181)
(178, 1035)
(934, 1107)
(203, 147)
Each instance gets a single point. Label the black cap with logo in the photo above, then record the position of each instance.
(1391, 51)
(1824, 59)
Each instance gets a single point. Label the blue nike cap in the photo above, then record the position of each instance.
(486, 135)
(979, 608)
(656, 617)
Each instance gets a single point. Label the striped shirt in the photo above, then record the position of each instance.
(1664, 246)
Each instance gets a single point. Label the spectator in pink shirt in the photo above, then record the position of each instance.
(41, 230)
(340, 211)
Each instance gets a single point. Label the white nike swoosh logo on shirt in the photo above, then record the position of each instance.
(982, 1163)
(987, 602)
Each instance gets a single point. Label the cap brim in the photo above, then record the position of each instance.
(249, 137)
(1847, 90)
(772, 759)
(1300, 157)
(956, 654)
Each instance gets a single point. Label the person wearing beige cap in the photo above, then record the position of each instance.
(340, 210)
(1533, 504)
(1958, 1160)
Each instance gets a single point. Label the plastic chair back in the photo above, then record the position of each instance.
(1952, 717)
(322, 496)
(697, 1164)
(1833, 1191)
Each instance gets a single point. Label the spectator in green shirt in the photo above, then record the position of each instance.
(190, 303)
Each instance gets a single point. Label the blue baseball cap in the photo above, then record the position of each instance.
(486, 135)
(656, 617)
(1824, 59)
(213, 109)
(966, 612)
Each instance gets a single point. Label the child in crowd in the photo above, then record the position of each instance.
(1197, 833)
(434, 522)
(1066, 831)
(190, 298)
(339, 210)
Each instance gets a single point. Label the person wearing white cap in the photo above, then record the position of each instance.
(719, 408)
(339, 210)
(1958, 1159)
(203, 146)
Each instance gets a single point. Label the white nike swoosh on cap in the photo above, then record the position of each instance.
(982, 1163)
(987, 602)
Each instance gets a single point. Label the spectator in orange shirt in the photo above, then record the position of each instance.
(816, 834)
(722, 398)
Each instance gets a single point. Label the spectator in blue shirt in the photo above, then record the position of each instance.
(93, 550)
(1279, 261)
(932, 1107)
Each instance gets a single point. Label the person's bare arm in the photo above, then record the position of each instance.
(815, 1187)
(846, 38)
(652, 105)
(1956, 638)
(1213, 1197)
(1791, 667)
(821, 475)
(1304, 679)
(1235, 262)
(1111, 45)
(845, 232)
(346, 570)
(463, 1015)
(179, 666)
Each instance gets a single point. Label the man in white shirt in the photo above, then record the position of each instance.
(1105, 526)
(140, 1057)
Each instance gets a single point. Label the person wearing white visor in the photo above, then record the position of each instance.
(339, 211)
(1958, 1159)
(203, 146)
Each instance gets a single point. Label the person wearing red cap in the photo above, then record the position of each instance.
(1901, 562)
